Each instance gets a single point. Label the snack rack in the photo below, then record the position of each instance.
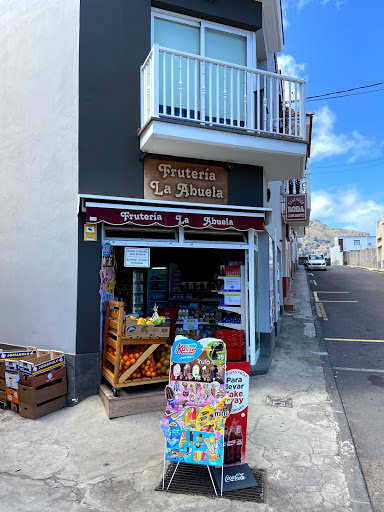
(114, 337)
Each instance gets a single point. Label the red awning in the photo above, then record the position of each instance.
(174, 218)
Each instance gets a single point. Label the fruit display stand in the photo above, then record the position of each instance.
(116, 342)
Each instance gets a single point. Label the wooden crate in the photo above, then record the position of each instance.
(132, 401)
(114, 337)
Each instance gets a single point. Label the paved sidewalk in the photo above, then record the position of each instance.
(78, 460)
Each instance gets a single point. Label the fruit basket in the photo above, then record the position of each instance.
(129, 361)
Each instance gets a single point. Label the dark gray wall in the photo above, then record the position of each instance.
(88, 298)
(245, 185)
(244, 14)
(115, 39)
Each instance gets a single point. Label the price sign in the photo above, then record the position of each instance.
(190, 324)
(232, 283)
(232, 299)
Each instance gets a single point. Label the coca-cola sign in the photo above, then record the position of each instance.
(235, 477)
(296, 207)
(173, 218)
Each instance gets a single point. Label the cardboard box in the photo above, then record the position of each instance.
(44, 393)
(12, 380)
(33, 412)
(38, 380)
(3, 387)
(13, 365)
(13, 395)
(41, 364)
(3, 395)
(144, 331)
(2, 369)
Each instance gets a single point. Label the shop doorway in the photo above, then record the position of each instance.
(184, 273)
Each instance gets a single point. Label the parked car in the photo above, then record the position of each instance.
(315, 262)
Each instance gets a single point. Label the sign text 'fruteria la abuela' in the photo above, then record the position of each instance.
(173, 180)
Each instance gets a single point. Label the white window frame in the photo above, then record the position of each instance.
(203, 24)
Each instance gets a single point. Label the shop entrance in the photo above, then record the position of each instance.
(204, 284)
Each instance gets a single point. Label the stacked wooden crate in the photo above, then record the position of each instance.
(43, 385)
(116, 338)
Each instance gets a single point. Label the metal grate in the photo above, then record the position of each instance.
(194, 480)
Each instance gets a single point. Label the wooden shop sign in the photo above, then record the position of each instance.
(173, 180)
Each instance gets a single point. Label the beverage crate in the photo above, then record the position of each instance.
(234, 341)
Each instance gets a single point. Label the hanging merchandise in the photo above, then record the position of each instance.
(107, 277)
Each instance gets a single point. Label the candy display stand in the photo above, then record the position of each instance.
(116, 339)
(198, 406)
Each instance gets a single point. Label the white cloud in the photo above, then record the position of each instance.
(288, 66)
(327, 143)
(300, 4)
(346, 209)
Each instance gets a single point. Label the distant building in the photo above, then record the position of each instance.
(379, 242)
(348, 250)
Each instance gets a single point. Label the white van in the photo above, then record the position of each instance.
(315, 262)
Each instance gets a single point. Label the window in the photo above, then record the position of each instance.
(356, 242)
(182, 77)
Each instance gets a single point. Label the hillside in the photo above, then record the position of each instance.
(320, 238)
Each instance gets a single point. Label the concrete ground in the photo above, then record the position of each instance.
(77, 459)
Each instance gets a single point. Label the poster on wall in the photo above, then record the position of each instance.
(197, 404)
(136, 257)
(271, 285)
(237, 388)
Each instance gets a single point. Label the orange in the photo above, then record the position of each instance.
(125, 358)
(158, 365)
(137, 355)
(148, 374)
(133, 360)
(153, 374)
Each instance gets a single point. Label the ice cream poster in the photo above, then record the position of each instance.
(235, 435)
(197, 404)
(196, 434)
(198, 361)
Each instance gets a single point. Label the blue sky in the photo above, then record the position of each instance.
(338, 45)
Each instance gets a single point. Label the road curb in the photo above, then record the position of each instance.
(357, 486)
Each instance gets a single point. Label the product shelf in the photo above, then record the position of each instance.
(114, 329)
(230, 326)
(232, 309)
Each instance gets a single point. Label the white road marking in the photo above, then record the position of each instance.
(370, 370)
(351, 339)
(324, 314)
(316, 297)
(330, 292)
(340, 301)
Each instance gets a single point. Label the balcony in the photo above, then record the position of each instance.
(195, 107)
(302, 190)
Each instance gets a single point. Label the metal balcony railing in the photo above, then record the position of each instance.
(194, 89)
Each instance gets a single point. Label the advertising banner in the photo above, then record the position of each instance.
(173, 218)
(237, 388)
(296, 207)
(198, 406)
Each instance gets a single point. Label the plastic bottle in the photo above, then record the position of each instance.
(239, 444)
(231, 445)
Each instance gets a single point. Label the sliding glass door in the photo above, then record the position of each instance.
(198, 89)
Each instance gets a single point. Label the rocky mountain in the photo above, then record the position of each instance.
(320, 238)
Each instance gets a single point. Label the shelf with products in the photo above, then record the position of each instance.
(231, 309)
(230, 326)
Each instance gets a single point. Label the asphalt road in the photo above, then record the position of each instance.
(358, 365)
